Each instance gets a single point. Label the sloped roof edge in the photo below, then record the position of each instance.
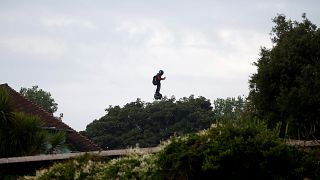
(22, 104)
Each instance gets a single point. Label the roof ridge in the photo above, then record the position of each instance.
(34, 104)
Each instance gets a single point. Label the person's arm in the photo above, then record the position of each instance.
(160, 78)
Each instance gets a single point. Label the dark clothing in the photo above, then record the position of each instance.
(158, 88)
(159, 78)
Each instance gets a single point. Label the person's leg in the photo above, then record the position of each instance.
(158, 88)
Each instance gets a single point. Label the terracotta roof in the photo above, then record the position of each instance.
(77, 141)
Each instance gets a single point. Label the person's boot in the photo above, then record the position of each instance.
(157, 95)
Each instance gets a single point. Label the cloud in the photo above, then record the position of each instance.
(271, 5)
(242, 39)
(225, 53)
(152, 31)
(34, 46)
(133, 27)
(62, 21)
(195, 39)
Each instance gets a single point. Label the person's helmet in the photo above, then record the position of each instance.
(160, 72)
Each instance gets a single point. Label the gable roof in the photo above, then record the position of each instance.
(75, 139)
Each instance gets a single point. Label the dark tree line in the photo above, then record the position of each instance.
(286, 87)
(146, 124)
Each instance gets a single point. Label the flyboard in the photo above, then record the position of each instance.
(157, 96)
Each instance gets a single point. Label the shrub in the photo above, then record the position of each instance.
(241, 150)
(230, 150)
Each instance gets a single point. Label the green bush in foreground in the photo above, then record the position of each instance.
(234, 151)
(238, 150)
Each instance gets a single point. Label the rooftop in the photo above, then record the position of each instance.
(75, 139)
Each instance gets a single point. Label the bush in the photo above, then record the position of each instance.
(242, 150)
(228, 150)
(84, 167)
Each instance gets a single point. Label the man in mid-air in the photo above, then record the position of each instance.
(157, 81)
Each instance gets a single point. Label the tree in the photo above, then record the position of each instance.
(41, 98)
(147, 124)
(286, 87)
(229, 108)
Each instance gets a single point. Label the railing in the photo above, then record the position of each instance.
(119, 152)
(52, 157)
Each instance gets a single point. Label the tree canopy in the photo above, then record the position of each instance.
(40, 97)
(286, 87)
(147, 124)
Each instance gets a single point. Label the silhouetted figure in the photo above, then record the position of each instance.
(157, 81)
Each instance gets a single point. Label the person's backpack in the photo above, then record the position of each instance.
(154, 80)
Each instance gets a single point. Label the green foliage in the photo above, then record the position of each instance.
(6, 111)
(146, 124)
(136, 165)
(242, 150)
(229, 108)
(55, 143)
(80, 168)
(22, 136)
(133, 166)
(286, 87)
(41, 98)
(229, 150)
(26, 136)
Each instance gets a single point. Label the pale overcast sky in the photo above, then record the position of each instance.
(92, 54)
